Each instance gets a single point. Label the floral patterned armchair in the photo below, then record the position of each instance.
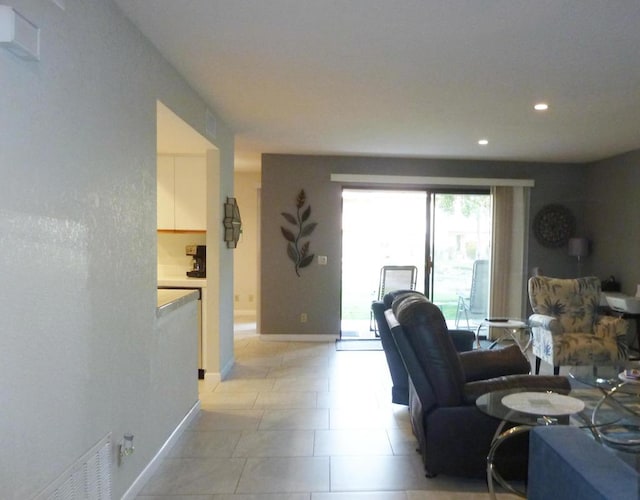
(565, 325)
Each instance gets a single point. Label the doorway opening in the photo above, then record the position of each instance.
(441, 233)
(187, 176)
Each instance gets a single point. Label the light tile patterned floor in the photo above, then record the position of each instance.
(301, 421)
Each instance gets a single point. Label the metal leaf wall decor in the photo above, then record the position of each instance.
(298, 250)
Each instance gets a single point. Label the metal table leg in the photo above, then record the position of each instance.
(492, 473)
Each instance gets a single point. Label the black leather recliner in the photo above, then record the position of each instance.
(462, 340)
(454, 436)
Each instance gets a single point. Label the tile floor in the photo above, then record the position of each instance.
(301, 421)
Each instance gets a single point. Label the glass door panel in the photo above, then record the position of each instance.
(461, 237)
(379, 228)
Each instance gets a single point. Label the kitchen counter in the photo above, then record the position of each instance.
(181, 281)
(171, 299)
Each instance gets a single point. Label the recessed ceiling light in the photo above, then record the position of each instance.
(483, 142)
(541, 106)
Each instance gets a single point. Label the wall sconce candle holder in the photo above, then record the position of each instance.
(232, 223)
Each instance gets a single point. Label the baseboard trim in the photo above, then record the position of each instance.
(244, 312)
(211, 379)
(299, 338)
(135, 489)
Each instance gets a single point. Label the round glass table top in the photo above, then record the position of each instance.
(526, 407)
(548, 404)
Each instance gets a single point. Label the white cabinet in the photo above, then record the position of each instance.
(190, 192)
(182, 193)
(166, 187)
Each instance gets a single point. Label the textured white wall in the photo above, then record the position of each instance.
(79, 341)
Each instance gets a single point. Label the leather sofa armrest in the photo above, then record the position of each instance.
(546, 323)
(555, 383)
(490, 363)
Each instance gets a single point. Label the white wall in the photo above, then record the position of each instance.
(79, 341)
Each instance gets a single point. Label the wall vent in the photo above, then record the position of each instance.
(87, 479)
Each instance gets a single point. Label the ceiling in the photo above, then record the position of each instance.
(410, 78)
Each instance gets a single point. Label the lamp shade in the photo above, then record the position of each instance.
(578, 247)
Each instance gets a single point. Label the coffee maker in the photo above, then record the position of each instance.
(199, 266)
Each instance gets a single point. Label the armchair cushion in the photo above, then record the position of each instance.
(490, 363)
(574, 302)
(610, 327)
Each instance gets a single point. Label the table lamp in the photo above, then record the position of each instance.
(579, 248)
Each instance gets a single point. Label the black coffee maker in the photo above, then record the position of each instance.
(199, 254)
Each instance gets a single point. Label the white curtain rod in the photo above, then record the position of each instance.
(430, 181)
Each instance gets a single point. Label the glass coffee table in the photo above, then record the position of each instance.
(619, 386)
(511, 329)
(527, 409)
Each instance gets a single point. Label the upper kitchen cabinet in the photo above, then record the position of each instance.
(182, 193)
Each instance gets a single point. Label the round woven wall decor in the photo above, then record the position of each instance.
(553, 225)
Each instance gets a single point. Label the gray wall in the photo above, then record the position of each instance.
(317, 291)
(81, 348)
(612, 209)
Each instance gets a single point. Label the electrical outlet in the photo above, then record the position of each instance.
(303, 317)
(250, 297)
(237, 298)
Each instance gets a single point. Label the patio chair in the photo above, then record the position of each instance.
(475, 306)
(393, 278)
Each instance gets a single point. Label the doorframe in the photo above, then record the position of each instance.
(430, 193)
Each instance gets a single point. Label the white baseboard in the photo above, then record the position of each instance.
(299, 338)
(244, 312)
(211, 379)
(135, 489)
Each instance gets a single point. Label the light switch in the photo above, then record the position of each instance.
(322, 260)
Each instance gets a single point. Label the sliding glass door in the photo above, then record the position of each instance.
(439, 233)
(461, 244)
(379, 228)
